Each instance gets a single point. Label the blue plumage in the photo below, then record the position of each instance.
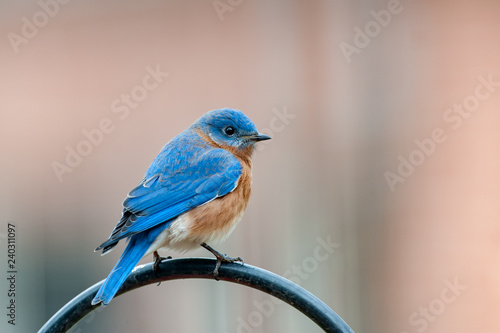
(134, 251)
(196, 167)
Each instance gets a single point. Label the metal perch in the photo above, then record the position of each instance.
(202, 268)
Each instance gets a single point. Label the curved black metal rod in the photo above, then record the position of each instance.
(188, 268)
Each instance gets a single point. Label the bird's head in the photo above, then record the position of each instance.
(229, 128)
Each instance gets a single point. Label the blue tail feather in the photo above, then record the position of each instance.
(134, 251)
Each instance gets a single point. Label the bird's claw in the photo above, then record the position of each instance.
(157, 260)
(224, 258)
(220, 258)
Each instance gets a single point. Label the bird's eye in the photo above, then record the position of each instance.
(229, 130)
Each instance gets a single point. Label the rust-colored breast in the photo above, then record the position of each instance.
(215, 220)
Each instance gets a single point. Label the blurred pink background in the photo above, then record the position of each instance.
(417, 253)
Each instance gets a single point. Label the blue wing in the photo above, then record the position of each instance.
(179, 180)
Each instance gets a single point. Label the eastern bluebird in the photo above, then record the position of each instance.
(194, 193)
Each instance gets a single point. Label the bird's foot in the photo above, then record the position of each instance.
(224, 258)
(157, 260)
(220, 259)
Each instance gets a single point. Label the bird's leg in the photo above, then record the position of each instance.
(220, 258)
(157, 260)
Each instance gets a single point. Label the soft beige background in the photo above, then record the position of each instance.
(322, 175)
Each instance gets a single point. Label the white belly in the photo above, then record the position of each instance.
(177, 236)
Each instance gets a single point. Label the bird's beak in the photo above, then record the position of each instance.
(259, 137)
